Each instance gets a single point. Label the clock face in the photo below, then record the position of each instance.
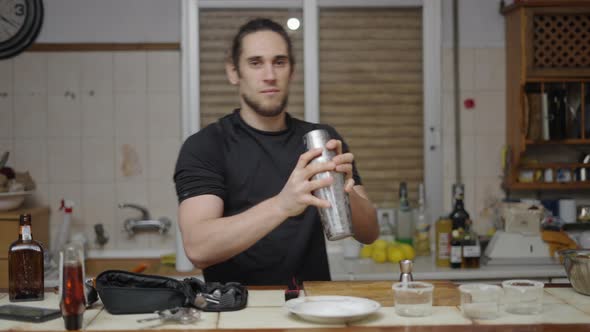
(20, 22)
(12, 18)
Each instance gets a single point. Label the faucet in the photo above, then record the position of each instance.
(145, 214)
(145, 222)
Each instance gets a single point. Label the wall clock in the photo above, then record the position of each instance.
(20, 23)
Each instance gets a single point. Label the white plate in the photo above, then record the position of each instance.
(332, 309)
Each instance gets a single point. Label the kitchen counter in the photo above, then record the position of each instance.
(425, 269)
(563, 310)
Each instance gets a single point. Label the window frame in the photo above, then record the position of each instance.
(431, 41)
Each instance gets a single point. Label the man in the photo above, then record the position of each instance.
(247, 212)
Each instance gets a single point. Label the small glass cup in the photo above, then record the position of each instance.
(480, 301)
(524, 297)
(413, 298)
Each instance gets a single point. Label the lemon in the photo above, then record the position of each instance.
(379, 255)
(408, 251)
(366, 251)
(380, 243)
(395, 254)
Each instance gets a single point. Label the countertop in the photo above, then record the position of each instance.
(563, 310)
(425, 269)
(343, 269)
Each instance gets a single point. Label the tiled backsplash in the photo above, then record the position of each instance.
(100, 128)
(483, 128)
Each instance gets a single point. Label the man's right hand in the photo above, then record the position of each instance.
(297, 194)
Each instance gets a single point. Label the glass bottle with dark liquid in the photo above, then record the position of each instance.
(73, 301)
(25, 265)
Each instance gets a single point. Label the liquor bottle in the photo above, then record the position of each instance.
(73, 300)
(422, 221)
(25, 265)
(444, 227)
(456, 257)
(404, 222)
(459, 216)
(471, 248)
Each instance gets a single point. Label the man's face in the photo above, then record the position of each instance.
(265, 73)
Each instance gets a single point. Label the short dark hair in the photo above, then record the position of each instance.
(255, 25)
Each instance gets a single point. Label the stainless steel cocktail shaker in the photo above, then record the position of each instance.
(336, 219)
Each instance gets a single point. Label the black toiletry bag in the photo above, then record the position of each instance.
(125, 292)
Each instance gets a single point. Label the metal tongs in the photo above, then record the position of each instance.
(179, 315)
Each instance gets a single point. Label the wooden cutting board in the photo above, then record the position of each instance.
(445, 292)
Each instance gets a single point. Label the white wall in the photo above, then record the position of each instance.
(159, 21)
(480, 24)
(111, 21)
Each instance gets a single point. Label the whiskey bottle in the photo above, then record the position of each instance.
(25, 265)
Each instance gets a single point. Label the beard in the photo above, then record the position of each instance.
(265, 111)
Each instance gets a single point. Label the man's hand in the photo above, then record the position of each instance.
(297, 194)
(343, 162)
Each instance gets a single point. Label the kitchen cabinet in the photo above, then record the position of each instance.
(548, 95)
(9, 227)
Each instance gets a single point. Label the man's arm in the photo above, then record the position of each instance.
(209, 238)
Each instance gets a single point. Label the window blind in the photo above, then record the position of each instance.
(371, 92)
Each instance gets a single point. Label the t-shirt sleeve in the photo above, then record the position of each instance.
(355, 174)
(199, 168)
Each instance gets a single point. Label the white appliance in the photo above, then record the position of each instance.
(517, 248)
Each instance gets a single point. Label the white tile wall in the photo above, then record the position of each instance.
(483, 128)
(98, 115)
(6, 126)
(30, 73)
(6, 77)
(131, 114)
(65, 117)
(63, 73)
(130, 74)
(97, 73)
(30, 115)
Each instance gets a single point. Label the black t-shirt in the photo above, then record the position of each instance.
(245, 166)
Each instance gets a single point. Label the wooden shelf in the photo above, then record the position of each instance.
(571, 141)
(539, 64)
(547, 185)
(554, 165)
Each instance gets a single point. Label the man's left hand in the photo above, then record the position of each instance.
(343, 162)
